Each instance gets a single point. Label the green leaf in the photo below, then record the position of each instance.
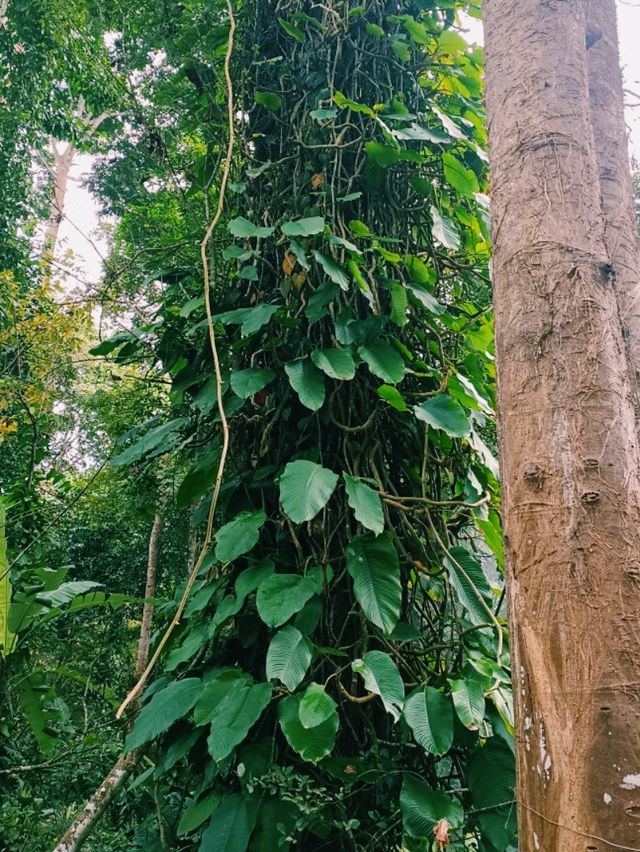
(323, 114)
(459, 176)
(346, 103)
(373, 564)
(470, 584)
(249, 579)
(316, 706)
(443, 230)
(381, 676)
(303, 227)
(382, 155)
(245, 383)
(305, 489)
(293, 31)
(359, 229)
(231, 825)
(392, 396)
(269, 100)
(288, 657)
(165, 707)
(245, 229)
(422, 807)
(491, 780)
(384, 361)
(333, 270)
(375, 30)
(239, 536)
(429, 714)
(282, 595)
(426, 299)
(235, 716)
(335, 363)
(442, 412)
(468, 699)
(319, 299)
(216, 691)
(398, 304)
(311, 744)
(299, 253)
(366, 504)
(196, 813)
(66, 592)
(307, 382)
(250, 320)
(152, 441)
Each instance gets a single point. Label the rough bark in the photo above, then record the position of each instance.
(83, 825)
(149, 592)
(616, 188)
(569, 456)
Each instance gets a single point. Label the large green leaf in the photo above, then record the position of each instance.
(381, 676)
(243, 228)
(429, 714)
(491, 780)
(216, 691)
(311, 744)
(154, 441)
(238, 711)
(470, 584)
(269, 100)
(288, 657)
(250, 320)
(459, 176)
(335, 363)
(231, 825)
(384, 361)
(444, 231)
(249, 579)
(6, 636)
(468, 699)
(66, 592)
(307, 381)
(282, 595)
(305, 489)
(196, 813)
(164, 708)
(422, 807)
(316, 706)
(244, 383)
(366, 504)
(333, 270)
(239, 536)
(442, 412)
(373, 563)
(303, 227)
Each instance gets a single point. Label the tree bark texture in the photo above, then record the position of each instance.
(149, 592)
(616, 188)
(569, 454)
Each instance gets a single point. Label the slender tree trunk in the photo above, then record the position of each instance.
(84, 824)
(569, 456)
(149, 592)
(616, 188)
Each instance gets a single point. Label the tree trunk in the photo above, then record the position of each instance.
(149, 592)
(62, 167)
(616, 188)
(569, 457)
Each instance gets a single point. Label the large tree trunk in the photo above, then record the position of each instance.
(571, 488)
(616, 188)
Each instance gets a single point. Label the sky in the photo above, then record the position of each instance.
(82, 214)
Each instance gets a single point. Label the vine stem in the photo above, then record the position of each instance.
(135, 692)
